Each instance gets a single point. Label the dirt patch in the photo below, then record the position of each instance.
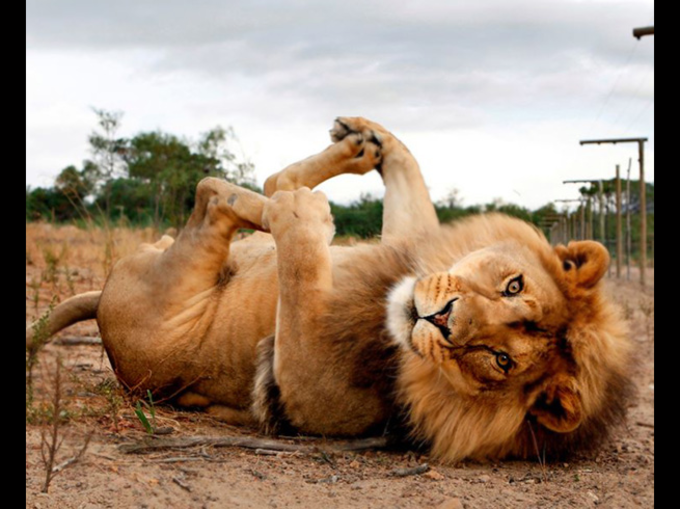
(62, 261)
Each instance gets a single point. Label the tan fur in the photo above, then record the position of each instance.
(479, 337)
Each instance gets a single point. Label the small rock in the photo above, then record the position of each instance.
(433, 474)
(354, 464)
(451, 503)
(593, 497)
(483, 478)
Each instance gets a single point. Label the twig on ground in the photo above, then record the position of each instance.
(249, 443)
(181, 484)
(78, 340)
(266, 452)
(180, 459)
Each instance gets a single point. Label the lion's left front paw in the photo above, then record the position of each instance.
(345, 126)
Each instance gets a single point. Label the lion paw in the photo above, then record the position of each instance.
(364, 147)
(346, 126)
(299, 209)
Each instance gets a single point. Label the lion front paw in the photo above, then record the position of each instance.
(301, 210)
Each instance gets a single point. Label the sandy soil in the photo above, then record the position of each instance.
(620, 475)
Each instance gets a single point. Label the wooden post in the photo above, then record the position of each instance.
(643, 214)
(642, 31)
(619, 243)
(589, 229)
(600, 195)
(643, 196)
(629, 235)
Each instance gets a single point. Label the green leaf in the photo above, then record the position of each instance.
(142, 418)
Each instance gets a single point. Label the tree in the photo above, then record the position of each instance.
(73, 183)
(220, 160)
(107, 150)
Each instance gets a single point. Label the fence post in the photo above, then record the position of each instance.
(619, 243)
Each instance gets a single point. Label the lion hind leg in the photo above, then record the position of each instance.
(234, 416)
(197, 261)
(230, 415)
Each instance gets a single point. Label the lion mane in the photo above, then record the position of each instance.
(421, 406)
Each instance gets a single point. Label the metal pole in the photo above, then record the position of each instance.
(619, 243)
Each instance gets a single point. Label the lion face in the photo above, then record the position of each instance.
(494, 331)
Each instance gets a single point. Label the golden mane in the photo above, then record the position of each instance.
(454, 425)
(596, 338)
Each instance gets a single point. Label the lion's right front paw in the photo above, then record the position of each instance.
(301, 209)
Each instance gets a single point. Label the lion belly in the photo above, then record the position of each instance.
(204, 343)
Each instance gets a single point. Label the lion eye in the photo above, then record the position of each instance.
(514, 286)
(503, 361)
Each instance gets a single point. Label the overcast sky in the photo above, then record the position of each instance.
(492, 96)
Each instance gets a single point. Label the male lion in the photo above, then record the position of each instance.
(479, 338)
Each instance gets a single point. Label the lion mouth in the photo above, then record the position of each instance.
(441, 320)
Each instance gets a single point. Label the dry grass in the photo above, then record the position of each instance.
(62, 261)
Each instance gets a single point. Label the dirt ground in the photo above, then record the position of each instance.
(62, 261)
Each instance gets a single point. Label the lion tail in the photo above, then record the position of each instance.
(75, 309)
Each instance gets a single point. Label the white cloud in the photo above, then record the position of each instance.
(478, 83)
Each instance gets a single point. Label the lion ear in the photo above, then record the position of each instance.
(558, 405)
(584, 262)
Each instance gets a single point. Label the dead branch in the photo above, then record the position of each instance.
(249, 443)
(78, 340)
(362, 444)
(50, 439)
(179, 482)
(181, 459)
(77, 457)
(266, 452)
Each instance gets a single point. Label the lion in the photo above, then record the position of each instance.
(477, 339)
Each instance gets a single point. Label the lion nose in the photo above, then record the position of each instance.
(441, 318)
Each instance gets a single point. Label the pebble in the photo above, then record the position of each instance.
(483, 478)
(451, 503)
(433, 474)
